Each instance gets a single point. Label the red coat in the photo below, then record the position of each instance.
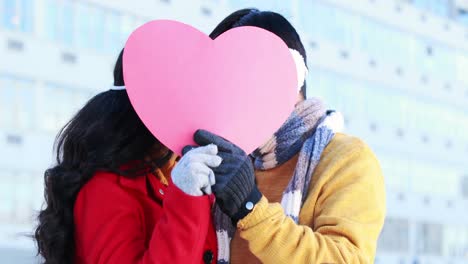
(127, 221)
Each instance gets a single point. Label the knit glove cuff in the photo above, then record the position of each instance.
(247, 205)
(234, 193)
(240, 186)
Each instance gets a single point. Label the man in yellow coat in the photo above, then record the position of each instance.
(310, 194)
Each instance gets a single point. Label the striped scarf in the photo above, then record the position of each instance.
(307, 131)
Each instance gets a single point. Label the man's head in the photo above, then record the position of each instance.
(267, 20)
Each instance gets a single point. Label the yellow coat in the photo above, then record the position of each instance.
(341, 219)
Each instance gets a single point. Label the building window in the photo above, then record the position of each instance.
(280, 6)
(435, 60)
(25, 104)
(394, 236)
(398, 169)
(389, 44)
(50, 113)
(342, 27)
(129, 23)
(462, 67)
(429, 239)
(11, 19)
(455, 241)
(438, 7)
(60, 105)
(60, 21)
(88, 26)
(16, 103)
(6, 103)
(98, 28)
(464, 186)
(66, 20)
(425, 176)
(112, 28)
(462, 16)
(27, 11)
(24, 198)
(63, 106)
(18, 15)
(7, 196)
(444, 62)
(51, 20)
(83, 26)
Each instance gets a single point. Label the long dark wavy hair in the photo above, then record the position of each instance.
(105, 134)
(267, 20)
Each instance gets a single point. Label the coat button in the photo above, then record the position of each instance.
(161, 191)
(208, 257)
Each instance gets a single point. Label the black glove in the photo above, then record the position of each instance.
(235, 189)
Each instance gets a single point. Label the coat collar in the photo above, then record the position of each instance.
(158, 180)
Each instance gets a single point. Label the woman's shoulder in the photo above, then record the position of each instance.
(101, 180)
(103, 202)
(107, 187)
(102, 198)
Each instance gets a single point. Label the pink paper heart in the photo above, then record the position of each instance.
(241, 86)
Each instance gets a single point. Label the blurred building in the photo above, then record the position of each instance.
(398, 70)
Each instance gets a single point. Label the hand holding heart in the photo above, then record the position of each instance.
(242, 85)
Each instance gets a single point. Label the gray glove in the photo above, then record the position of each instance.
(193, 173)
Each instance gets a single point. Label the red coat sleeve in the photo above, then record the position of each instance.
(109, 226)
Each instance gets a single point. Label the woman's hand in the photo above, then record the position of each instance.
(235, 189)
(193, 174)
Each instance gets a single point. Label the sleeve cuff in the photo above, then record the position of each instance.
(262, 210)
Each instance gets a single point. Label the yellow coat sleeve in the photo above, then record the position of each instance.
(346, 208)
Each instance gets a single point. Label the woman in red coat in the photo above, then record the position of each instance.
(117, 196)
